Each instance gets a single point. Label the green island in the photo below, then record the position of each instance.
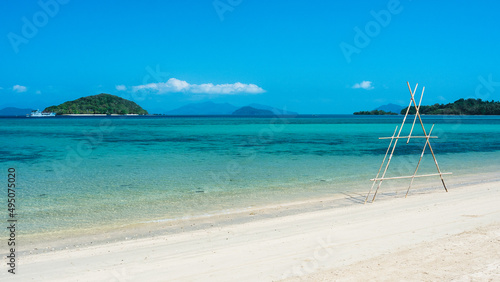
(374, 112)
(460, 107)
(98, 104)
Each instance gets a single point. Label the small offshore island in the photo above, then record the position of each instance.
(102, 104)
(374, 112)
(459, 107)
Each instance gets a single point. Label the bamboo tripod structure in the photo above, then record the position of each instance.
(395, 138)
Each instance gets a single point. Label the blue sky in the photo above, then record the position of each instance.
(307, 56)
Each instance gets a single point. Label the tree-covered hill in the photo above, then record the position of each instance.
(460, 107)
(98, 104)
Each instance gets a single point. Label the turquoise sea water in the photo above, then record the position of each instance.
(83, 173)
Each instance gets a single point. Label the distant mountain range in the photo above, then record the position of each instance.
(206, 108)
(11, 111)
(276, 111)
(211, 108)
(105, 103)
(390, 108)
(251, 111)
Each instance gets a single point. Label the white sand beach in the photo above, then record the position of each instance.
(427, 236)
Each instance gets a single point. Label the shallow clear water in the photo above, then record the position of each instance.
(85, 173)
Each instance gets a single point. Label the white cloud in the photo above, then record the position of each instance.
(38, 92)
(121, 87)
(176, 85)
(367, 85)
(19, 88)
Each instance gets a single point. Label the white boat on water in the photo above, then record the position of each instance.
(37, 113)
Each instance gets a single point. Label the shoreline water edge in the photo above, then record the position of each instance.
(92, 184)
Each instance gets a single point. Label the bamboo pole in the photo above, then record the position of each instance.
(419, 160)
(415, 118)
(382, 164)
(394, 147)
(410, 176)
(430, 147)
